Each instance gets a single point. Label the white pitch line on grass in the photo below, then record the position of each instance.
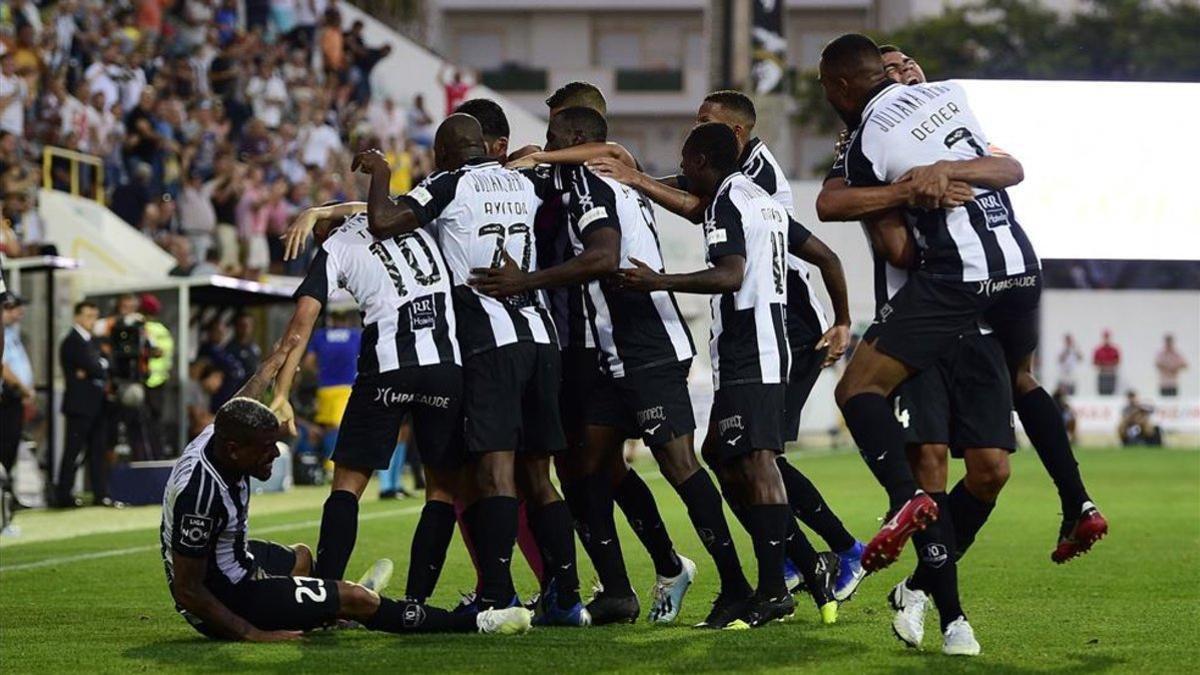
(95, 555)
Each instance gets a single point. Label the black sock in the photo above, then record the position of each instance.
(640, 509)
(936, 572)
(1047, 433)
(590, 499)
(404, 616)
(768, 525)
(551, 526)
(703, 504)
(881, 443)
(339, 530)
(802, 554)
(428, 553)
(811, 509)
(969, 513)
(494, 529)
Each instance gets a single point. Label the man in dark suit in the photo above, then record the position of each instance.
(86, 375)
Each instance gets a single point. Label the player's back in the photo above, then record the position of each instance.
(402, 288)
(906, 126)
(480, 213)
(633, 329)
(749, 337)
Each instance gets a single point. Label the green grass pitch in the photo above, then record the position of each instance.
(84, 591)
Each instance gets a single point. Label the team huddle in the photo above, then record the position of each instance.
(517, 310)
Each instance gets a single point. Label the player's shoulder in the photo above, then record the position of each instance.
(353, 230)
(438, 182)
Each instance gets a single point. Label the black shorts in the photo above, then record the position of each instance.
(510, 398)
(271, 599)
(378, 404)
(805, 369)
(580, 373)
(652, 404)
(925, 317)
(747, 417)
(964, 400)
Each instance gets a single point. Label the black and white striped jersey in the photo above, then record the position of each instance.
(632, 330)
(748, 341)
(478, 213)
(905, 126)
(806, 319)
(205, 517)
(402, 288)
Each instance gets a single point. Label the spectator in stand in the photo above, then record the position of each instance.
(14, 97)
(308, 13)
(1169, 364)
(129, 201)
(268, 94)
(16, 383)
(388, 121)
(197, 217)
(420, 123)
(1137, 425)
(204, 381)
(255, 148)
(143, 145)
(363, 60)
(227, 190)
(252, 223)
(243, 347)
(1106, 358)
(257, 14)
(279, 214)
(209, 266)
(455, 86)
(1068, 361)
(333, 47)
(319, 141)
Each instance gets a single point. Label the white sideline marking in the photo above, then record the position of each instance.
(95, 555)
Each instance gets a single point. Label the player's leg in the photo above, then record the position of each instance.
(435, 528)
(493, 383)
(339, 520)
(974, 496)
(549, 516)
(637, 502)
(1015, 320)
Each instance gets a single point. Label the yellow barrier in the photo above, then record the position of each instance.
(49, 152)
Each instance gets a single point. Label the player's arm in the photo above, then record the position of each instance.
(385, 218)
(578, 154)
(315, 220)
(192, 595)
(802, 244)
(599, 258)
(664, 192)
(290, 352)
(725, 276)
(994, 172)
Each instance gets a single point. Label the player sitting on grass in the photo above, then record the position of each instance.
(228, 586)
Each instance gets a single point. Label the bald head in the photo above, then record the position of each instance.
(851, 67)
(459, 139)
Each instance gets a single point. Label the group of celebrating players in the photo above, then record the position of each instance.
(516, 309)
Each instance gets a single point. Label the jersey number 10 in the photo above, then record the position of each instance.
(408, 244)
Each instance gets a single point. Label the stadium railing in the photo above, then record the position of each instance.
(73, 159)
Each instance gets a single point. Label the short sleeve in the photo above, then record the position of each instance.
(432, 196)
(545, 179)
(593, 203)
(321, 280)
(197, 522)
(797, 235)
(723, 232)
(861, 167)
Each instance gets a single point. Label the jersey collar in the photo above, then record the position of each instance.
(750, 147)
(725, 183)
(480, 162)
(876, 94)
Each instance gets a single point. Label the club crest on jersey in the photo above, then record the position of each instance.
(730, 423)
(194, 531)
(422, 313)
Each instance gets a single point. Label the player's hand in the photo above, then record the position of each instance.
(927, 184)
(528, 161)
(835, 340)
(256, 635)
(640, 277)
(282, 408)
(370, 161)
(613, 168)
(296, 235)
(500, 282)
(957, 194)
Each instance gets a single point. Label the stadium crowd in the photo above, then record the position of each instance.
(215, 120)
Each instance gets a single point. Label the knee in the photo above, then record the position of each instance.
(304, 560)
(759, 475)
(929, 466)
(495, 477)
(677, 465)
(356, 602)
(988, 477)
(843, 392)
